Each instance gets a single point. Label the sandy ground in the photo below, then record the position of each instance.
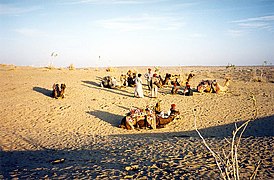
(82, 130)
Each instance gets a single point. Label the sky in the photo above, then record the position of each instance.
(92, 33)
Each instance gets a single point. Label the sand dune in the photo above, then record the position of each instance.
(82, 129)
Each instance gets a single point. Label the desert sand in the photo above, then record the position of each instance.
(78, 136)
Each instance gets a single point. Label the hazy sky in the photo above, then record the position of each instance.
(136, 32)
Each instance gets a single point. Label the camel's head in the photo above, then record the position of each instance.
(190, 75)
(227, 81)
(214, 85)
(63, 87)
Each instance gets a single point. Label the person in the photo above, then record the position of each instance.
(174, 89)
(188, 91)
(138, 87)
(148, 77)
(154, 86)
(157, 108)
(172, 110)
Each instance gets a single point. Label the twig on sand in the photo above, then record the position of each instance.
(229, 165)
(256, 170)
(217, 158)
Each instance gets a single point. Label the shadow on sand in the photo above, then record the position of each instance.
(110, 118)
(95, 85)
(101, 159)
(44, 91)
(261, 127)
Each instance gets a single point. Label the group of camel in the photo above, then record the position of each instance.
(150, 117)
(177, 81)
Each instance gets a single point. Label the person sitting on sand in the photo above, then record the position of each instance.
(138, 87)
(188, 91)
(175, 88)
(157, 108)
(172, 110)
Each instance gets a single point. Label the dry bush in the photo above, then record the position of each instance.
(227, 162)
(156, 69)
(258, 76)
(109, 69)
(50, 67)
(12, 67)
(71, 67)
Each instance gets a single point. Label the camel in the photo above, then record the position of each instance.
(166, 80)
(128, 124)
(212, 86)
(123, 80)
(110, 82)
(107, 82)
(162, 121)
(58, 91)
(205, 86)
(190, 76)
(161, 118)
(217, 88)
(55, 90)
(139, 118)
(63, 87)
(151, 118)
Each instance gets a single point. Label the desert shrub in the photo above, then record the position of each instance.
(230, 66)
(156, 69)
(258, 76)
(50, 67)
(109, 69)
(71, 67)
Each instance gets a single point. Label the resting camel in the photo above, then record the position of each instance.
(138, 118)
(110, 82)
(166, 80)
(217, 88)
(131, 75)
(58, 91)
(205, 86)
(162, 121)
(212, 86)
(123, 80)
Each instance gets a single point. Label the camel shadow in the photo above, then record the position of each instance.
(92, 83)
(44, 91)
(112, 119)
(95, 85)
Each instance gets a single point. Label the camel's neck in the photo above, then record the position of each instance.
(226, 83)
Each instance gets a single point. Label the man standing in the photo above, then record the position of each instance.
(148, 77)
(154, 86)
(138, 87)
